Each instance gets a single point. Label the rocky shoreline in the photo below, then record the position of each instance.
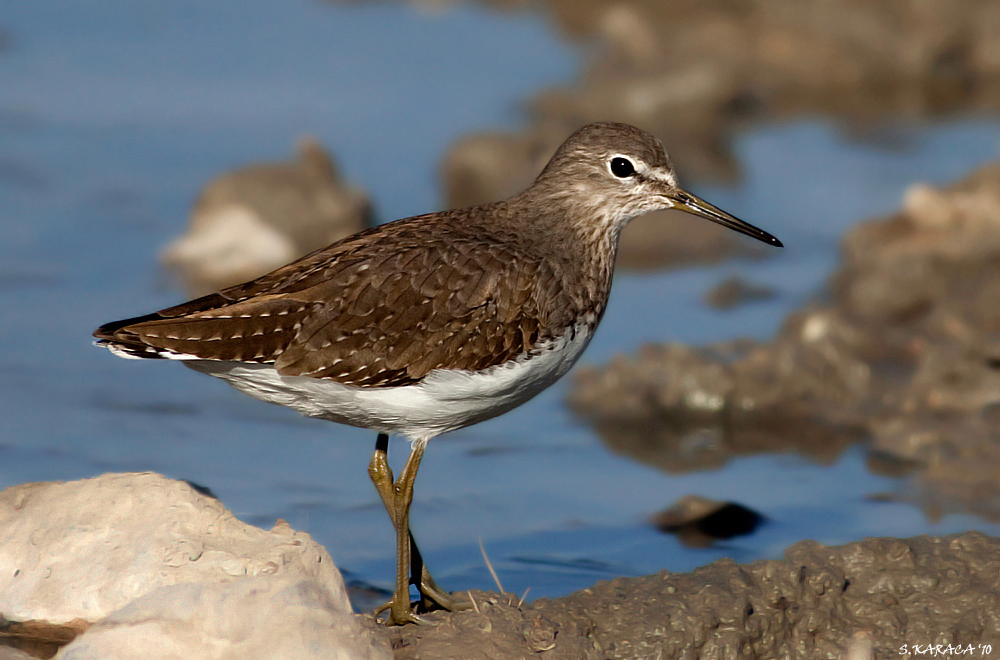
(139, 566)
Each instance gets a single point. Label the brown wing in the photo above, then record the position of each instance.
(360, 314)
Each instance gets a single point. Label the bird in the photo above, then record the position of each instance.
(431, 323)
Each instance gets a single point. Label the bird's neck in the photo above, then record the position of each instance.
(576, 239)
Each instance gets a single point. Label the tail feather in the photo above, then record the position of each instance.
(117, 337)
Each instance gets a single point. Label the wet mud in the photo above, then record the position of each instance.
(869, 599)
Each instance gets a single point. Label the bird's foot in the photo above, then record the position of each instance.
(399, 613)
(433, 598)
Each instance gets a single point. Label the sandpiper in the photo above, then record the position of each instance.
(432, 323)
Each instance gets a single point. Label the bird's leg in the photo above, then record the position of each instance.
(431, 593)
(381, 475)
(399, 609)
(397, 497)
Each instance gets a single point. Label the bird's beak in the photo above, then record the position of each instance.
(685, 201)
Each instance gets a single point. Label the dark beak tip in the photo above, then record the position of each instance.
(685, 201)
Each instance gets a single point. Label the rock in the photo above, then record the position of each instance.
(681, 408)
(698, 521)
(78, 551)
(491, 166)
(254, 618)
(253, 220)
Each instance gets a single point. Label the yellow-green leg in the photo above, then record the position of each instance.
(397, 496)
(431, 593)
(410, 568)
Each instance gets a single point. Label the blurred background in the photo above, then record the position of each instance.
(837, 389)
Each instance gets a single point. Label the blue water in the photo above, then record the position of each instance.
(112, 115)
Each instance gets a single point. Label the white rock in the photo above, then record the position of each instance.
(236, 243)
(274, 617)
(83, 549)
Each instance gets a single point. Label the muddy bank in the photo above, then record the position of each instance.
(906, 353)
(694, 74)
(874, 596)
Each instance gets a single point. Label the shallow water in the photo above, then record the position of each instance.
(111, 118)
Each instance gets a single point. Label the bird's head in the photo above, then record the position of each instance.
(607, 173)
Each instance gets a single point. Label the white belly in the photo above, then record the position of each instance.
(443, 401)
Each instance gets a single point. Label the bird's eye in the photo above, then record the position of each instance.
(622, 167)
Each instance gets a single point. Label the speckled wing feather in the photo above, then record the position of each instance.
(361, 314)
